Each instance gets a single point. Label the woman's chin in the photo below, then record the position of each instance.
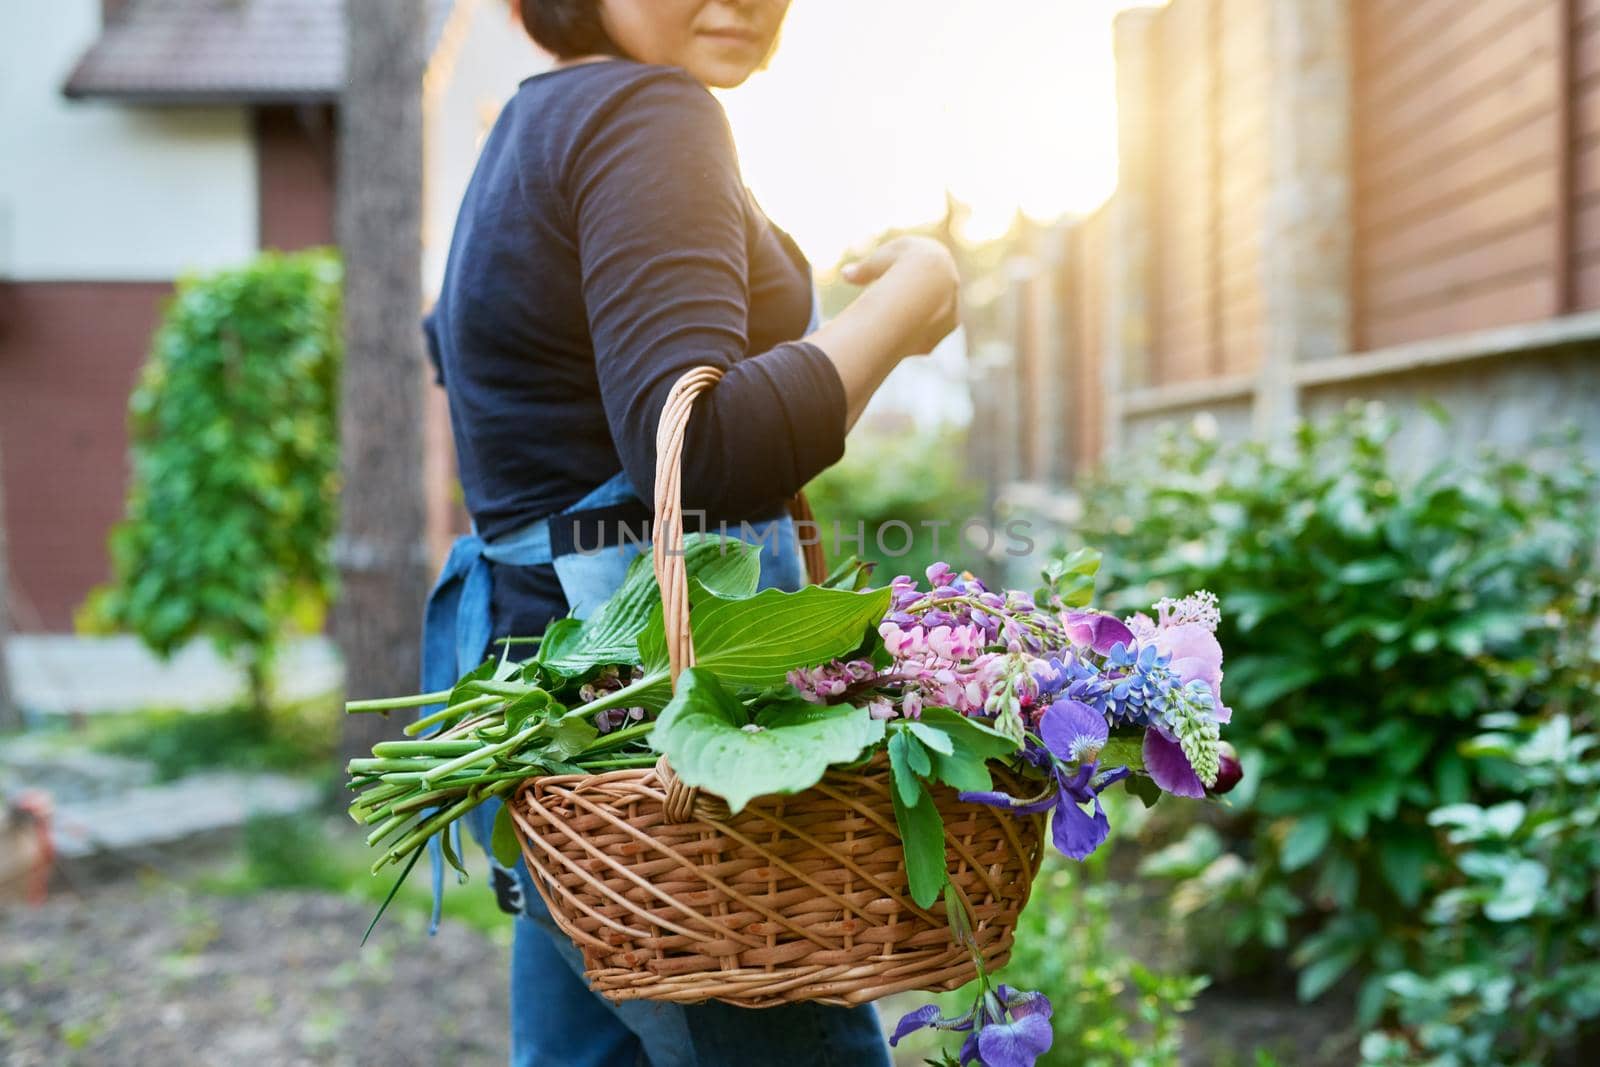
(723, 67)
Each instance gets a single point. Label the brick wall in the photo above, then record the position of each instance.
(70, 354)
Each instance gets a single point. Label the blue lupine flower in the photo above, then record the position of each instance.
(1006, 1027)
(1073, 733)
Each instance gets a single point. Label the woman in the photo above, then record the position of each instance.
(606, 245)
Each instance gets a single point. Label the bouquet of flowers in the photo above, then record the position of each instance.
(943, 676)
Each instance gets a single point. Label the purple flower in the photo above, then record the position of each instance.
(1169, 767)
(1097, 630)
(1006, 1027)
(1022, 1039)
(1073, 733)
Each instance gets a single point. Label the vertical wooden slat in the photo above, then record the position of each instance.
(1217, 360)
(1562, 263)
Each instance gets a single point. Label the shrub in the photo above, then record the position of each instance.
(1510, 969)
(915, 479)
(1110, 1009)
(231, 509)
(1079, 942)
(1369, 619)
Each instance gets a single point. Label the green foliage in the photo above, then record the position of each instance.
(913, 479)
(1510, 968)
(611, 635)
(1369, 619)
(288, 738)
(231, 510)
(713, 741)
(947, 747)
(1110, 1010)
(757, 640)
(295, 852)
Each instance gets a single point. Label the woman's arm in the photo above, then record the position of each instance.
(910, 305)
(659, 210)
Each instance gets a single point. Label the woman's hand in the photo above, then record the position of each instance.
(912, 302)
(923, 274)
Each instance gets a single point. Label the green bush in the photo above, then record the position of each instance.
(231, 509)
(914, 479)
(1369, 619)
(1110, 1010)
(1510, 969)
(1079, 942)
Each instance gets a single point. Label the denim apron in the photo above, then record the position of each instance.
(556, 1020)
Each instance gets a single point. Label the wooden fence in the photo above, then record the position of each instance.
(1320, 200)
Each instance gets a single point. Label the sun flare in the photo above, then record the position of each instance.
(870, 111)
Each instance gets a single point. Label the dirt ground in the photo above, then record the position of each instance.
(155, 974)
(149, 970)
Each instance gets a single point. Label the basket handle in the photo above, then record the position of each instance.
(672, 574)
(667, 550)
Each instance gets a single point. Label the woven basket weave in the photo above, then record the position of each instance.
(795, 898)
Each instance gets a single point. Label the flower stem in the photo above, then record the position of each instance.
(453, 711)
(357, 707)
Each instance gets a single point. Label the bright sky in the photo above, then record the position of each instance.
(873, 107)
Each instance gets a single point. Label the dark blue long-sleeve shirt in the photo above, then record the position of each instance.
(606, 244)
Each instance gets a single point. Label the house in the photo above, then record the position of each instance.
(1319, 201)
(145, 139)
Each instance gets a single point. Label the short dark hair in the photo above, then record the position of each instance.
(567, 28)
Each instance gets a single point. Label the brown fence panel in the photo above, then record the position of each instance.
(1241, 93)
(1586, 154)
(1084, 285)
(1183, 102)
(1458, 167)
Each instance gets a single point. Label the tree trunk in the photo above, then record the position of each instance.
(382, 549)
(10, 715)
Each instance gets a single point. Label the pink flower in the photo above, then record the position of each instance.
(900, 642)
(1196, 656)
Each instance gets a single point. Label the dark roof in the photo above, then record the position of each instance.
(223, 51)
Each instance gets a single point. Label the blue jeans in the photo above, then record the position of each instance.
(557, 1021)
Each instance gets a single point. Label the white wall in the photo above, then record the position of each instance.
(102, 192)
(480, 61)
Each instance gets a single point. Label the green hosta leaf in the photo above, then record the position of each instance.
(503, 840)
(922, 835)
(558, 649)
(711, 743)
(611, 635)
(653, 644)
(756, 641)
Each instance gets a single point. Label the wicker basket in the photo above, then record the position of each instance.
(795, 898)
